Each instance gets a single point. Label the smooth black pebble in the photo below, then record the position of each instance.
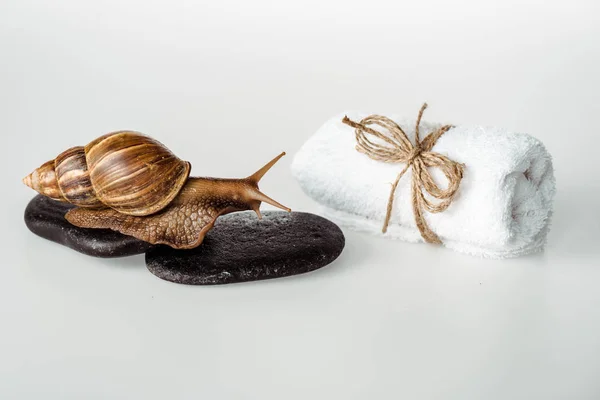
(243, 248)
(46, 218)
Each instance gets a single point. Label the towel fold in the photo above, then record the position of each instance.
(502, 209)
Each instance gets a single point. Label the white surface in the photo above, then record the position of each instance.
(503, 208)
(227, 85)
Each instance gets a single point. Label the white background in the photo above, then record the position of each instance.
(229, 84)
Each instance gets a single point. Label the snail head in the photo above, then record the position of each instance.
(252, 196)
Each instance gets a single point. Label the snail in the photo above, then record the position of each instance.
(133, 184)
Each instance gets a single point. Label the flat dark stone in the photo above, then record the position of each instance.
(46, 218)
(243, 248)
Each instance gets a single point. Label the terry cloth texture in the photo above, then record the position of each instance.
(502, 209)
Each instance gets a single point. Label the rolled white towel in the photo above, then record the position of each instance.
(502, 209)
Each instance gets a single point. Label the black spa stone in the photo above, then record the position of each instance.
(242, 248)
(45, 218)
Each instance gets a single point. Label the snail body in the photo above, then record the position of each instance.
(131, 183)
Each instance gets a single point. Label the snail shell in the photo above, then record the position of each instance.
(133, 184)
(118, 170)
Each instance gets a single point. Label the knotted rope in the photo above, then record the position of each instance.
(395, 147)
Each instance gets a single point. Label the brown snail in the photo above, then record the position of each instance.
(131, 183)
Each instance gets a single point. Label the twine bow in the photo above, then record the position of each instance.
(395, 147)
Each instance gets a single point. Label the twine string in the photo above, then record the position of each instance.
(394, 146)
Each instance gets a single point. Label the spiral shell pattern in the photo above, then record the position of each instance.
(126, 171)
(73, 178)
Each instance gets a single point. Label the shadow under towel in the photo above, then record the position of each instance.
(502, 209)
